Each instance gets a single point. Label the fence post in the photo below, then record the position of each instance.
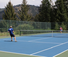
(20, 32)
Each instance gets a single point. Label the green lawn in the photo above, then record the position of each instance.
(63, 54)
(7, 54)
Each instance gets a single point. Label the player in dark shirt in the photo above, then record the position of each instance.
(10, 30)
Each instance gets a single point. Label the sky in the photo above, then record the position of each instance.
(3, 3)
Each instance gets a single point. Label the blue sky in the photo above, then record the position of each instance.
(3, 3)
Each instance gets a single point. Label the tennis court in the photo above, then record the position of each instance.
(35, 45)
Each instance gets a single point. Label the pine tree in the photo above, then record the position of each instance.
(66, 5)
(52, 15)
(61, 14)
(44, 11)
(9, 13)
(24, 16)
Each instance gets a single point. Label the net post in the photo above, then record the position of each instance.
(52, 33)
(20, 32)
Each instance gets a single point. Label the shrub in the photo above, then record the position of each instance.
(63, 26)
(56, 26)
(25, 27)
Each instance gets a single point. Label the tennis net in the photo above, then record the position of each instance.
(44, 33)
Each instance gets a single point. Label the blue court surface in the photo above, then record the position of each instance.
(35, 45)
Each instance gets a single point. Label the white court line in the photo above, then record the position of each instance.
(60, 53)
(49, 48)
(41, 39)
(39, 42)
(45, 42)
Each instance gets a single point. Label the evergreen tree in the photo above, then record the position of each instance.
(66, 5)
(53, 14)
(61, 14)
(44, 11)
(36, 18)
(9, 13)
(24, 16)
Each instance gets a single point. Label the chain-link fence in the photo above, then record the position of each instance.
(30, 25)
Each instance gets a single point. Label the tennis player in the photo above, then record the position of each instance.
(61, 29)
(10, 30)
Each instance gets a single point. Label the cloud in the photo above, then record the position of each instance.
(33, 0)
(3, 3)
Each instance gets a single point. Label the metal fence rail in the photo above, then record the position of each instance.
(30, 25)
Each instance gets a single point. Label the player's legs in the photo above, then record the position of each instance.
(61, 31)
(15, 39)
(11, 38)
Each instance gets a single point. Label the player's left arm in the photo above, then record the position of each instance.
(8, 31)
(13, 31)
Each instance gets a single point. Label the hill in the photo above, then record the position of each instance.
(33, 10)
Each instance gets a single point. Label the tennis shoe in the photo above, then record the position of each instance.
(15, 41)
(11, 40)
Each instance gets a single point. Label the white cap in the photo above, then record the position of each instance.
(10, 26)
